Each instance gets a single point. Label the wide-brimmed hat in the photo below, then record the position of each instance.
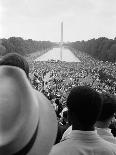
(28, 123)
(15, 59)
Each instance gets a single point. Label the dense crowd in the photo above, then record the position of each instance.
(56, 78)
(82, 97)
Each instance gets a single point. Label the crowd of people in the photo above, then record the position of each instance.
(55, 78)
(90, 114)
(57, 107)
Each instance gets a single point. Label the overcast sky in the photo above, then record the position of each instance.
(41, 19)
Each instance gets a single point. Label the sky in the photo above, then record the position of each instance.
(41, 19)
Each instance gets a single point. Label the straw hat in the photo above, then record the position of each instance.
(28, 123)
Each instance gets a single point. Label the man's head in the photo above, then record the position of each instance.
(14, 59)
(84, 106)
(108, 108)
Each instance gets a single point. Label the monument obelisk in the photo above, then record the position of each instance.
(61, 41)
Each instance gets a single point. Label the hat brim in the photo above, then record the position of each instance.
(47, 128)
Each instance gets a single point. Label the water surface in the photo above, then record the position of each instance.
(55, 54)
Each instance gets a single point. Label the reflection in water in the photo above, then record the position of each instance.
(54, 54)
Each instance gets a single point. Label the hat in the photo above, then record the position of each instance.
(15, 59)
(28, 123)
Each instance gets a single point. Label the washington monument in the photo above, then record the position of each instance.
(61, 41)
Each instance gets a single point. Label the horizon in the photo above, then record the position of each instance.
(56, 41)
(41, 20)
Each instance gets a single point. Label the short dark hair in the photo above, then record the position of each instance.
(84, 104)
(108, 108)
(65, 114)
(14, 59)
(57, 101)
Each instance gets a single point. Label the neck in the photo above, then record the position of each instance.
(83, 128)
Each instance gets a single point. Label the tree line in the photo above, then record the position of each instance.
(23, 47)
(102, 48)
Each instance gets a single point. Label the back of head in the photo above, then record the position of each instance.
(65, 114)
(84, 106)
(108, 108)
(57, 101)
(14, 59)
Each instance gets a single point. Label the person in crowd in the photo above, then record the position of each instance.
(84, 107)
(64, 116)
(106, 117)
(28, 123)
(63, 124)
(35, 81)
(69, 126)
(66, 133)
(14, 59)
(59, 107)
(113, 127)
(105, 120)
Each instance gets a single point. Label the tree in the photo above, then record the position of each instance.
(112, 54)
(2, 50)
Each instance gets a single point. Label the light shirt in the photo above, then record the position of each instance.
(66, 133)
(106, 134)
(84, 143)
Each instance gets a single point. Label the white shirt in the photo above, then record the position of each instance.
(106, 134)
(66, 133)
(83, 143)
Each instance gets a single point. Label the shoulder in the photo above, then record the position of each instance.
(70, 147)
(60, 148)
(108, 146)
